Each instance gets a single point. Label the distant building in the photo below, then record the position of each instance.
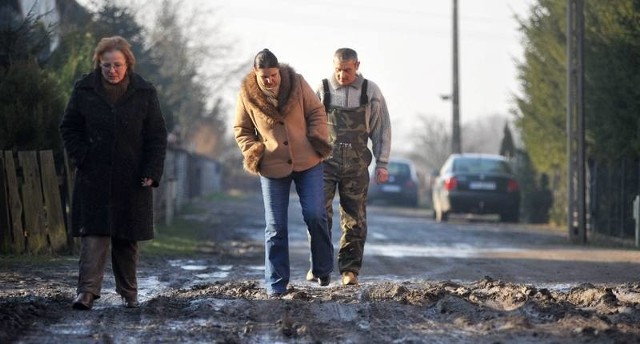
(47, 12)
(57, 17)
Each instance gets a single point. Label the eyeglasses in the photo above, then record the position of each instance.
(116, 65)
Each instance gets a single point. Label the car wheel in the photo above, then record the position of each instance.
(512, 216)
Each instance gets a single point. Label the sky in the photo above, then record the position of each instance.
(405, 46)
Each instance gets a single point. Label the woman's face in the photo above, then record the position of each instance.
(270, 76)
(113, 65)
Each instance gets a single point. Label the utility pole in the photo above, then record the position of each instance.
(456, 145)
(575, 122)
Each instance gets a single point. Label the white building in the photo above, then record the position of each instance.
(48, 12)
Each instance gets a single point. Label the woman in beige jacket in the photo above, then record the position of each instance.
(281, 129)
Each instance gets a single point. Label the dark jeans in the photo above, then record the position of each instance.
(275, 193)
(93, 257)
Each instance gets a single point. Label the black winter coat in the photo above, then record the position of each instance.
(114, 147)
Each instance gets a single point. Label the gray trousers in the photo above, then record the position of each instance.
(93, 257)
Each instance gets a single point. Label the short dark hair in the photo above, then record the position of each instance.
(265, 59)
(346, 54)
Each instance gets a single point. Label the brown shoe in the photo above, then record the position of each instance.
(83, 302)
(349, 278)
(310, 276)
(131, 302)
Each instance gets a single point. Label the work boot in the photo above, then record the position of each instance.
(83, 302)
(349, 278)
(324, 281)
(131, 302)
(310, 276)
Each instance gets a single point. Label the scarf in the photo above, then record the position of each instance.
(115, 91)
(270, 93)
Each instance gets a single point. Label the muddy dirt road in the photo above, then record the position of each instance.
(423, 282)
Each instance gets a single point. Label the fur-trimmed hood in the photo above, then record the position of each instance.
(288, 94)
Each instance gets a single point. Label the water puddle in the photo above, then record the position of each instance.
(378, 236)
(224, 271)
(189, 265)
(214, 275)
(557, 287)
(454, 251)
(194, 267)
(149, 287)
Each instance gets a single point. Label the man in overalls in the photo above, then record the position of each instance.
(356, 112)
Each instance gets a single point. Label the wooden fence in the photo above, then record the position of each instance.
(31, 213)
(35, 202)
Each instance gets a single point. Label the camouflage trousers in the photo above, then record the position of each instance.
(347, 170)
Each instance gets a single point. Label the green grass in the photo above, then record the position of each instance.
(231, 195)
(185, 236)
(181, 238)
(40, 259)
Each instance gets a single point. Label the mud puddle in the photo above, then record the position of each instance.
(486, 311)
(217, 295)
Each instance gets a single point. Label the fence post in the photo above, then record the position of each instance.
(32, 201)
(69, 176)
(56, 231)
(5, 223)
(170, 201)
(636, 217)
(15, 204)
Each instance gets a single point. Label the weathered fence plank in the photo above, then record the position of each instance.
(5, 222)
(35, 211)
(32, 202)
(69, 178)
(15, 204)
(55, 228)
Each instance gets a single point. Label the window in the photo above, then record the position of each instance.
(480, 165)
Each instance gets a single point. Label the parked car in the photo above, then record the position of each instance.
(476, 184)
(402, 186)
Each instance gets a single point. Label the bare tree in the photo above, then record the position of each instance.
(432, 139)
(432, 143)
(194, 70)
(483, 135)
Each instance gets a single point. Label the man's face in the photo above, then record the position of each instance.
(270, 76)
(113, 65)
(345, 71)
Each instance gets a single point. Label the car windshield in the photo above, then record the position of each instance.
(480, 165)
(398, 169)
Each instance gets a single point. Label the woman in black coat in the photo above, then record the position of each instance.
(114, 131)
